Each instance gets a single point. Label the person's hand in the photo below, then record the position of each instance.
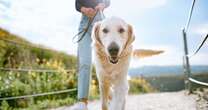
(100, 7)
(90, 12)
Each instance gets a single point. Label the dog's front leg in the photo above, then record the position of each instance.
(119, 96)
(104, 89)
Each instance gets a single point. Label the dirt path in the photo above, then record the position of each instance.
(154, 101)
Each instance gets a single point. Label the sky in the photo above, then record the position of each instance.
(157, 25)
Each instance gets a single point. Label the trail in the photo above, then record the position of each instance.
(152, 101)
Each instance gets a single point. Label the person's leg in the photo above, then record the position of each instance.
(84, 62)
(84, 65)
(85, 58)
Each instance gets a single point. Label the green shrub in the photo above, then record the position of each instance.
(24, 54)
(5, 105)
(140, 85)
(18, 84)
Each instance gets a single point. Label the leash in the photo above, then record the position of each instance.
(200, 46)
(84, 31)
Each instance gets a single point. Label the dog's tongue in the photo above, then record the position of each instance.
(113, 60)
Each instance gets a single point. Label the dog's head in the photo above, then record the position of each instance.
(115, 35)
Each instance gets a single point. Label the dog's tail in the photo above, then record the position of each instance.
(142, 53)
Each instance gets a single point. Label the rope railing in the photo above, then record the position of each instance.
(38, 71)
(187, 56)
(16, 43)
(199, 47)
(33, 70)
(190, 15)
(40, 94)
(198, 82)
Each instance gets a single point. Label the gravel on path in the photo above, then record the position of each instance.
(153, 101)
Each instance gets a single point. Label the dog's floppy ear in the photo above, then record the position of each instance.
(95, 33)
(131, 36)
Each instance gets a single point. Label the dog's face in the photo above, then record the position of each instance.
(114, 35)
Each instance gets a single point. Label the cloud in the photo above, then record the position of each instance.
(133, 8)
(48, 22)
(199, 59)
(201, 29)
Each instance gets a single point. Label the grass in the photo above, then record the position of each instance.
(140, 85)
(34, 83)
(41, 105)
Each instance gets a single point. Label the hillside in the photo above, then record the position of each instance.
(16, 52)
(49, 74)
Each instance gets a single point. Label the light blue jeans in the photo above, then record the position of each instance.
(85, 58)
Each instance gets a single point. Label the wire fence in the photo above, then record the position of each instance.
(37, 70)
(41, 94)
(34, 70)
(187, 56)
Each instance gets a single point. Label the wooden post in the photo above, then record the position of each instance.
(187, 70)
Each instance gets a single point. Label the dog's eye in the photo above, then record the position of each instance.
(105, 30)
(121, 30)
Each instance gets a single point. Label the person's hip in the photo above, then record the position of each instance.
(85, 21)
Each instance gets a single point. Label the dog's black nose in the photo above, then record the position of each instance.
(113, 49)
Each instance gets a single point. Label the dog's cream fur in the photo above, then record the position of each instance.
(112, 77)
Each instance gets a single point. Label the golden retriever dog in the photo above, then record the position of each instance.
(112, 45)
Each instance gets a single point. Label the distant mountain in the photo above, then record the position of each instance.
(165, 70)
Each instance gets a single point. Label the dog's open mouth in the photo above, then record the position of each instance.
(113, 60)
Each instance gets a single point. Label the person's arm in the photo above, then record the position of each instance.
(78, 5)
(107, 3)
(102, 5)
